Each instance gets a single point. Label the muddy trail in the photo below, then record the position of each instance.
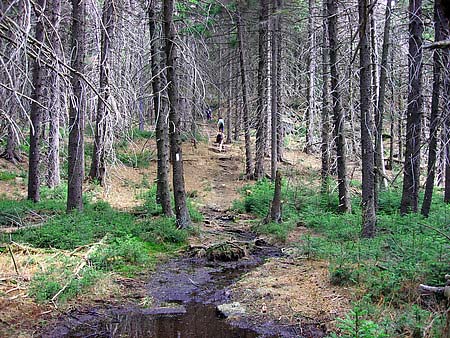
(186, 294)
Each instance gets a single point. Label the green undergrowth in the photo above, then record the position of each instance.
(151, 208)
(121, 242)
(386, 270)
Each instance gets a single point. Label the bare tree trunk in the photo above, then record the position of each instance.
(438, 60)
(380, 172)
(274, 86)
(339, 120)
(230, 93)
(98, 165)
(411, 178)
(275, 209)
(77, 107)
(311, 102)
(446, 113)
(261, 108)
(162, 131)
(246, 118)
(325, 146)
(181, 211)
(36, 109)
(368, 187)
(280, 125)
(53, 164)
(11, 152)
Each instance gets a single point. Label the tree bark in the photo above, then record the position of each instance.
(274, 86)
(380, 181)
(275, 209)
(77, 109)
(368, 193)
(261, 108)
(325, 146)
(446, 113)
(411, 178)
(311, 103)
(162, 132)
(36, 110)
(53, 163)
(181, 211)
(338, 114)
(438, 60)
(98, 165)
(280, 126)
(246, 118)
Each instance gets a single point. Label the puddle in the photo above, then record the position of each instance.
(185, 293)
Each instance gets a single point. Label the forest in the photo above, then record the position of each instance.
(225, 168)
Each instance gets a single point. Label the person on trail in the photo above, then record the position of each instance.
(219, 141)
(221, 124)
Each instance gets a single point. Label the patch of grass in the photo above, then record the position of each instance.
(154, 209)
(45, 285)
(407, 250)
(278, 230)
(142, 134)
(7, 175)
(136, 160)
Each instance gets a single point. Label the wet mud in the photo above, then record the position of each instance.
(185, 293)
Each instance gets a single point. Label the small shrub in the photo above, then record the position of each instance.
(162, 230)
(136, 160)
(7, 175)
(354, 325)
(142, 134)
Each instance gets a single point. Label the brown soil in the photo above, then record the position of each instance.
(281, 289)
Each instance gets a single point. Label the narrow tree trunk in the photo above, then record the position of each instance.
(11, 152)
(380, 181)
(274, 97)
(181, 211)
(311, 102)
(368, 193)
(439, 22)
(98, 165)
(162, 132)
(53, 164)
(77, 107)
(230, 93)
(275, 209)
(446, 113)
(246, 118)
(261, 108)
(280, 126)
(325, 170)
(411, 178)
(36, 110)
(339, 120)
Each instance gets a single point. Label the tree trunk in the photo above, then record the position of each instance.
(338, 114)
(380, 181)
(411, 178)
(162, 132)
(230, 93)
(246, 118)
(446, 113)
(11, 152)
(368, 193)
(439, 23)
(77, 109)
(36, 110)
(98, 165)
(53, 170)
(325, 169)
(311, 102)
(261, 108)
(275, 209)
(280, 126)
(273, 91)
(181, 211)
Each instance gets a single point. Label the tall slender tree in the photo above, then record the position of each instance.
(261, 108)
(325, 114)
(181, 211)
(98, 165)
(37, 109)
(338, 114)
(411, 177)
(440, 23)
(367, 158)
(77, 108)
(246, 117)
(274, 90)
(162, 131)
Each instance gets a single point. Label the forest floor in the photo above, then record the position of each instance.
(285, 288)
